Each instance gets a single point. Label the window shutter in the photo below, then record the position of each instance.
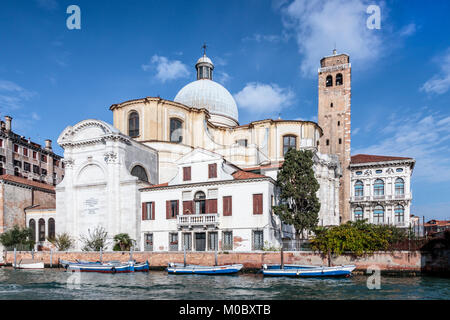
(186, 173)
(144, 209)
(211, 206)
(168, 209)
(212, 170)
(187, 205)
(227, 206)
(178, 207)
(257, 204)
(152, 217)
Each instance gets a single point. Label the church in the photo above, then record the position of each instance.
(184, 173)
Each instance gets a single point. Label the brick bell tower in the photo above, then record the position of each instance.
(335, 119)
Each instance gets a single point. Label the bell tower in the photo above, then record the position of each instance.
(334, 117)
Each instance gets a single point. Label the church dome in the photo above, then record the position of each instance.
(205, 93)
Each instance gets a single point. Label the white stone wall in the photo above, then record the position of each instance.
(98, 189)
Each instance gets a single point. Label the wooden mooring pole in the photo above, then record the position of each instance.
(15, 258)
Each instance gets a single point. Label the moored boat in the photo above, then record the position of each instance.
(178, 268)
(28, 264)
(290, 270)
(106, 267)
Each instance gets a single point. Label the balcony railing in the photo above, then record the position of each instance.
(189, 220)
(381, 197)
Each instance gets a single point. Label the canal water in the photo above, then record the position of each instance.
(52, 284)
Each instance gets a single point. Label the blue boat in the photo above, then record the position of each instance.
(291, 270)
(179, 268)
(107, 267)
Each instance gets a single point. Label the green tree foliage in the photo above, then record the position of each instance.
(20, 238)
(123, 242)
(62, 242)
(298, 191)
(96, 240)
(357, 237)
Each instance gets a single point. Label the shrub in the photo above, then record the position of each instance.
(96, 240)
(20, 238)
(62, 242)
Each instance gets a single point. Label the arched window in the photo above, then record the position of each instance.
(133, 124)
(41, 230)
(176, 130)
(399, 186)
(378, 187)
(399, 214)
(200, 202)
(378, 215)
(32, 226)
(329, 82)
(140, 173)
(289, 142)
(358, 213)
(51, 228)
(16, 172)
(339, 80)
(359, 189)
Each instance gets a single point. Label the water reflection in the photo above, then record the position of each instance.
(52, 284)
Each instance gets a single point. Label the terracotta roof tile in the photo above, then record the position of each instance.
(27, 182)
(365, 158)
(241, 175)
(157, 185)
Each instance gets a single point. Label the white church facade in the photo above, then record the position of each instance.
(185, 174)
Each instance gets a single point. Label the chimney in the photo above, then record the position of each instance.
(8, 123)
(48, 144)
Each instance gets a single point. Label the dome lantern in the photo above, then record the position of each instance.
(204, 66)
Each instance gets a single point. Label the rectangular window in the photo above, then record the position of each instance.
(173, 241)
(288, 143)
(17, 163)
(16, 148)
(2, 158)
(25, 152)
(1, 143)
(148, 242)
(186, 173)
(26, 167)
(171, 209)
(227, 240)
(212, 170)
(43, 158)
(187, 241)
(36, 169)
(340, 141)
(34, 155)
(227, 206)
(213, 241)
(148, 211)
(242, 142)
(44, 172)
(258, 240)
(257, 203)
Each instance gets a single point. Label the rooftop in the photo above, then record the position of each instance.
(26, 182)
(367, 158)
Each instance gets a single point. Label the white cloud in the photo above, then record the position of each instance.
(222, 77)
(424, 136)
(271, 38)
(263, 98)
(319, 26)
(166, 69)
(12, 96)
(439, 83)
(408, 30)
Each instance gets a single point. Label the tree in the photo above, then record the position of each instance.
(298, 192)
(62, 242)
(96, 240)
(20, 238)
(123, 242)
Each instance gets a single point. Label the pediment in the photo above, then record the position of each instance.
(86, 130)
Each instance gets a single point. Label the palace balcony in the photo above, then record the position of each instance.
(381, 197)
(198, 220)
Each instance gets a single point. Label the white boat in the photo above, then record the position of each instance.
(28, 264)
(179, 268)
(290, 270)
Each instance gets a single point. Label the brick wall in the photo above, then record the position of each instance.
(400, 261)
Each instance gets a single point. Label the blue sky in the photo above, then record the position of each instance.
(266, 53)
